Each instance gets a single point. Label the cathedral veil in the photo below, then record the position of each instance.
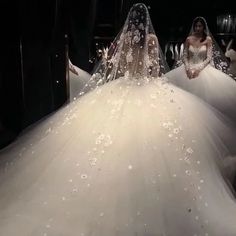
(134, 54)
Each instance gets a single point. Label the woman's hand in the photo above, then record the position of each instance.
(195, 73)
(192, 73)
(189, 73)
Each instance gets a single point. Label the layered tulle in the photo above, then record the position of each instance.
(128, 158)
(213, 86)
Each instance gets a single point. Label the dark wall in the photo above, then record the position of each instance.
(171, 19)
(10, 73)
(169, 16)
(43, 55)
(32, 62)
(80, 25)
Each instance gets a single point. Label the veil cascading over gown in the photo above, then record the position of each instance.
(212, 85)
(135, 156)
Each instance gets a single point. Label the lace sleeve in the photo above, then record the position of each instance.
(153, 56)
(209, 55)
(185, 55)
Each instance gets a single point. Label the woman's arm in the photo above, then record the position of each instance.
(185, 55)
(186, 58)
(207, 60)
(209, 55)
(153, 54)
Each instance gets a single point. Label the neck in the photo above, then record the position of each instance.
(199, 35)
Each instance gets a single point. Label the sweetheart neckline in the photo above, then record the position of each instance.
(197, 47)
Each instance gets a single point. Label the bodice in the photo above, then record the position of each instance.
(197, 54)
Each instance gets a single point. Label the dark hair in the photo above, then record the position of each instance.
(202, 21)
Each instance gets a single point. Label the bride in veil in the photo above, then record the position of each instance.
(133, 155)
(202, 70)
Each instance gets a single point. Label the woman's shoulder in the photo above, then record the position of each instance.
(208, 39)
(189, 39)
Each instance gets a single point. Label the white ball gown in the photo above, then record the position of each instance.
(77, 79)
(133, 157)
(124, 159)
(212, 85)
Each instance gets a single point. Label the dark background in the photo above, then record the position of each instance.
(37, 37)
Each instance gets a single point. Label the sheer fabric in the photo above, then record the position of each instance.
(134, 54)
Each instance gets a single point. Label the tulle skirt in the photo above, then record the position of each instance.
(125, 159)
(213, 86)
(77, 82)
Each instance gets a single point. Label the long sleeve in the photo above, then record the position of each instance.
(186, 55)
(208, 57)
(153, 55)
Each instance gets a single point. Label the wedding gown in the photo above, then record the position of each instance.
(125, 159)
(213, 86)
(77, 82)
(135, 156)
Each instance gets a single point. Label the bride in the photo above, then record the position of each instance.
(134, 155)
(201, 70)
